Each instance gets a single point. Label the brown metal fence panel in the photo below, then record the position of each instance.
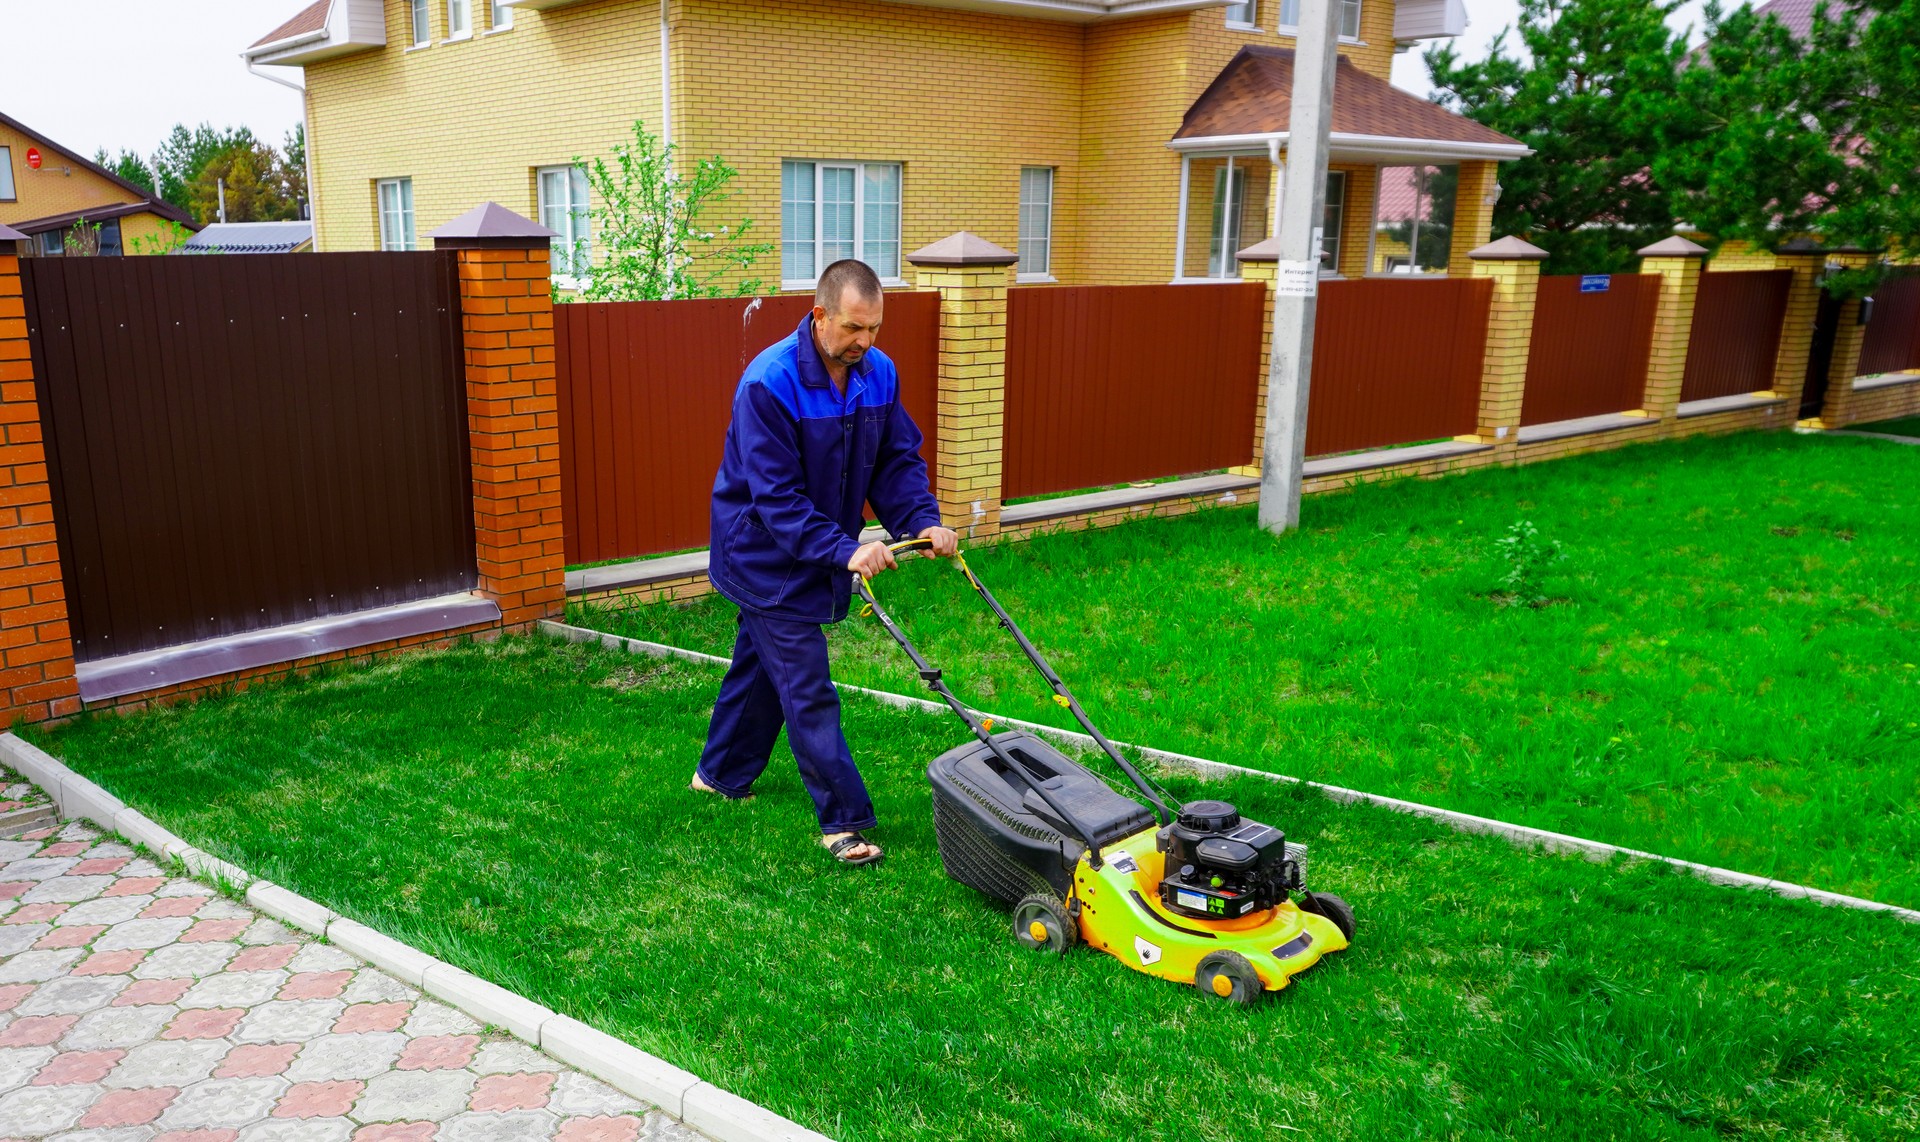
(1590, 350)
(1396, 362)
(1737, 319)
(646, 392)
(239, 442)
(1108, 384)
(1893, 333)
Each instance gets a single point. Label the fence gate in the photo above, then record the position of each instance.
(241, 441)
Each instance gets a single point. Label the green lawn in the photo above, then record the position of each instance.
(520, 810)
(1906, 426)
(1726, 672)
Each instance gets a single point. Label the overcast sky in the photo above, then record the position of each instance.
(120, 73)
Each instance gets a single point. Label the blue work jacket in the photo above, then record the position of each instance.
(801, 462)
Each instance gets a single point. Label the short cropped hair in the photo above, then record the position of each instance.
(842, 274)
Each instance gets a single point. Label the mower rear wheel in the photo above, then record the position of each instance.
(1332, 907)
(1040, 922)
(1230, 976)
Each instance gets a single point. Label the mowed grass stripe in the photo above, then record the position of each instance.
(520, 809)
(1726, 673)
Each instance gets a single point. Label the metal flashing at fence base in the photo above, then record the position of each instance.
(1524, 835)
(1579, 426)
(1226, 487)
(1885, 380)
(1739, 402)
(722, 1116)
(191, 662)
(1391, 457)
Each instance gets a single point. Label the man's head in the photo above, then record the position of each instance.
(846, 311)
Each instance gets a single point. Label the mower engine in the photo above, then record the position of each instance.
(1220, 867)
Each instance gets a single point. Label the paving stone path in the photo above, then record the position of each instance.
(141, 1007)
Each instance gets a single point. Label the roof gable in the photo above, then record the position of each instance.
(1253, 95)
(161, 207)
(312, 18)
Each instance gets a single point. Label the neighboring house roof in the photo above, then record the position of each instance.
(90, 214)
(1797, 15)
(148, 200)
(253, 238)
(310, 19)
(1251, 102)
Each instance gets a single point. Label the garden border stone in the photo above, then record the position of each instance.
(1522, 835)
(685, 1096)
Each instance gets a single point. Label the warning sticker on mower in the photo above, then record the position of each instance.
(1148, 953)
(1124, 863)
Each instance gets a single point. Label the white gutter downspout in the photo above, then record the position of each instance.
(306, 128)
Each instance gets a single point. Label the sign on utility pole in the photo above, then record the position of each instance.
(1296, 283)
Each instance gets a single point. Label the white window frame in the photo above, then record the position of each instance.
(53, 243)
(500, 18)
(1043, 272)
(403, 192)
(1413, 235)
(8, 192)
(464, 28)
(1250, 21)
(578, 213)
(1289, 21)
(859, 170)
(420, 17)
(1333, 223)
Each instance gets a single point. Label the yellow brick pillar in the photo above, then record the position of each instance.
(1806, 260)
(1678, 262)
(972, 276)
(1837, 411)
(1514, 267)
(1259, 263)
(1477, 191)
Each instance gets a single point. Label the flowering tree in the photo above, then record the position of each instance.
(652, 234)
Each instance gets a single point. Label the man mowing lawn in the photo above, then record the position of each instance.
(818, 432)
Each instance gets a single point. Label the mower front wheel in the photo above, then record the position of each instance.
(1230, 976)
(1041, 923)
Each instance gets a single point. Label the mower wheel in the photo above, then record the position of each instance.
(1040, 922)
(1230, 976)
(1332, 907)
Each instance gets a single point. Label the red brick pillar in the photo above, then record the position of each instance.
(513, 410)
(36, 670)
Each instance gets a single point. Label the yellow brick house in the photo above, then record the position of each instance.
(1108, 141)
(46, 190)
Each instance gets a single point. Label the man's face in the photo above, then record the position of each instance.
(846, 335)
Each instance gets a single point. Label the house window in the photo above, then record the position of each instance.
(1036, 221)
(110, 238)
(830, 211)
(1331, 220)
(459, 19)
(563, 210)
(53, 243)
(1229, 207)
(396, 213)
(502, 16)
(422, 33)
(1349, 17)
(1245, 13)
(6, 174)
(1413, 219)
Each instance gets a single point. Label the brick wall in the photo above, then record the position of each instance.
(513, 424)
(36, 650)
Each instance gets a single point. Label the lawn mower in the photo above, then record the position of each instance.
(1201, 895)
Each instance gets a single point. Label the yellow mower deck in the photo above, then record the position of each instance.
(1121, 914)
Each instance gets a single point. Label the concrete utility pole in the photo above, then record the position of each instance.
(1296, 284)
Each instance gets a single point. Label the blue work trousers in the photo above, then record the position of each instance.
(779, 675)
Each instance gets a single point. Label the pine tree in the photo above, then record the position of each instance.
(1597, 95)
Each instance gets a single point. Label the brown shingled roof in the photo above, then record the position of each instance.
(1253, 95)
(311, 19)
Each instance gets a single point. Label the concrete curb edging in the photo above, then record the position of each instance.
(1523, 835)
(723, 1116)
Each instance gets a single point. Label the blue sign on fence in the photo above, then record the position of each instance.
(1595, 283)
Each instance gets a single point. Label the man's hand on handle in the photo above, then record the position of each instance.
(946, 541)
(871, 559)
